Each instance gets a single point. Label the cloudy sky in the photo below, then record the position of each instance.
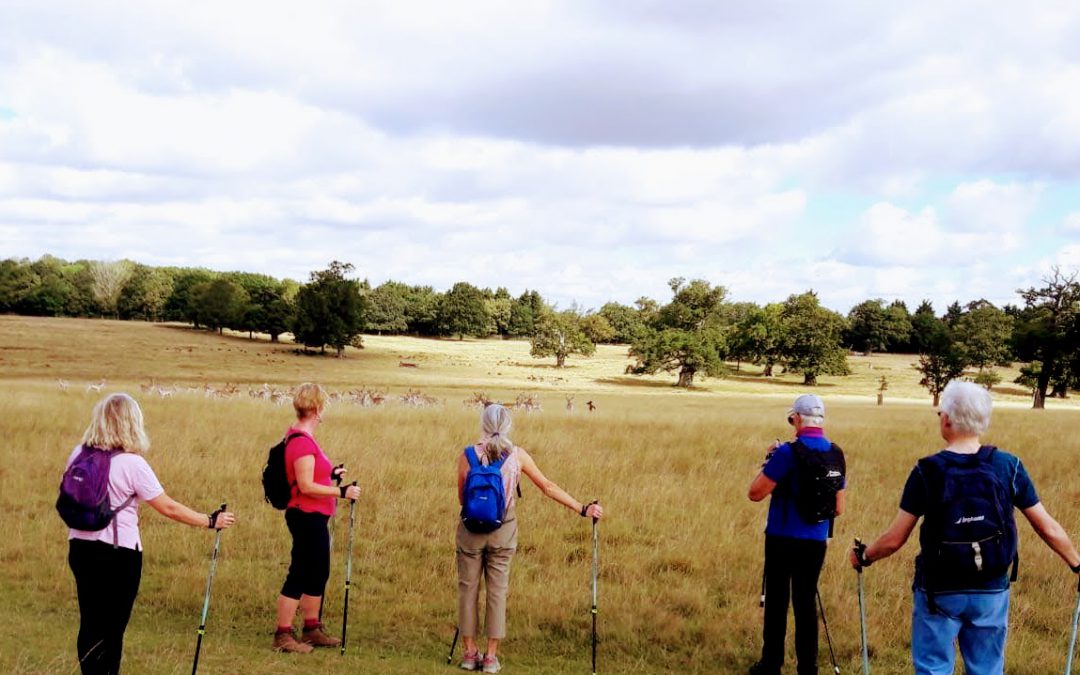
(591, 150)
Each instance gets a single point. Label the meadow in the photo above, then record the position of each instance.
(680, 550)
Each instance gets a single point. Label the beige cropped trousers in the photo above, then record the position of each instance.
(486, 555)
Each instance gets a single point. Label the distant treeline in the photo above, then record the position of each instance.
(697, 331)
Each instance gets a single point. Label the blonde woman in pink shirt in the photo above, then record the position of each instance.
(107, 563)
(489, 554)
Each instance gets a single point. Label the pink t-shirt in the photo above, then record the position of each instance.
(129, 474)
(302, 446)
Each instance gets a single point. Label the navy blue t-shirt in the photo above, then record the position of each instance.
(784, 518)
(1008, 469)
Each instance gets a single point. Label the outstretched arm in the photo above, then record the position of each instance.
(553, 491)
(170, 508)
(1052, 533)
(891, 540)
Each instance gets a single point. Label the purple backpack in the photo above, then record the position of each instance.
(84, 493)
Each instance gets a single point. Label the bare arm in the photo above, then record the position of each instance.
(1052, 533)
(462, 473)
(891, 540)
(304, 467)
(761, 488)
(841, 501)
(174, 510)
(553, 491)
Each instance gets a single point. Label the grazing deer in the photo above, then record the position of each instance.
(96, 387)
(570, 405)
(63, 384)
(591, 405)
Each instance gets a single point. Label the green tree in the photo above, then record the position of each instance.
(1046, 331)
(498, 310)
(626, 321)
(760, 337)
(145, 293)
(386, 309)
(812, 338)
(330, 310)
(983, 334)
(219, 304)
(524, 310)
(941, 362)
(560, 334)
(685, 335)
(924, 323)
(873, 327)
(181, 305)
(109, 279)
(598, 329)
(462, 311)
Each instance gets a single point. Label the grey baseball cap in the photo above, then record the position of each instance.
(810, 405)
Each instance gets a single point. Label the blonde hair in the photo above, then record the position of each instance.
(310, 398)
(117, 424)
(495, 424)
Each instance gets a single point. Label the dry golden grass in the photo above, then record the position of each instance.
(681, 548)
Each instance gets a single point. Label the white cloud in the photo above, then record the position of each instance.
(1072, 222)
(983, 206)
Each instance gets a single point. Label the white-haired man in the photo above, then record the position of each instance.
(806, 480)
(965, 494)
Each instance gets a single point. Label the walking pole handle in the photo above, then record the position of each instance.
(860, 555)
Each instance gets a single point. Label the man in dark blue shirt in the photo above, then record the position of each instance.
(794, 547)
(953, 603)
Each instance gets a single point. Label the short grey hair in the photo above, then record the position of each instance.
(812, 420)
(968, 406)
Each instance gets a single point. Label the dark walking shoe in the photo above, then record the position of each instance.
(317, 637)
(287, 642)
(761, 668)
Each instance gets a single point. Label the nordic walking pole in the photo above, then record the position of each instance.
(453, 644)
(825, 622)
(348, 574)
(330, 532)
(860, 552)
(1072, 640)
(209, 583)
(595, 574)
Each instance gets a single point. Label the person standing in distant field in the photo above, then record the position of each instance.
(799, 523)
(965, 494)
(314, 499)
(489, 554)
(107, 564)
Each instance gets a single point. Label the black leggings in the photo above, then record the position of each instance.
(107, 580)
(792, 567)
(310, 564)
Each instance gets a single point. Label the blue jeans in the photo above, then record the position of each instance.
(979, 622)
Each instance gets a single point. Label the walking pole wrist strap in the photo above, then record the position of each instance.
(585, 507)
(1075, 568)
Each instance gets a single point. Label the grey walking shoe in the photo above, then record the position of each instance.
(491, 664)
(471, 661)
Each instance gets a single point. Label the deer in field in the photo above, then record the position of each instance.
(570, 405)
(63, 384)
(592, 406)
(96, 387)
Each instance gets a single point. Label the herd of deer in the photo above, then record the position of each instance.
(363, 397)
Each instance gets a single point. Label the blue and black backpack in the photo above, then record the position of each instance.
(483, 502)
(969, 532)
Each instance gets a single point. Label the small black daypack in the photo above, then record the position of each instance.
(969, 532)
(277, 491)
(819, 475)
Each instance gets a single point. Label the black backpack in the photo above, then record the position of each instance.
(819, 475)
(276, 487)
(969, 532)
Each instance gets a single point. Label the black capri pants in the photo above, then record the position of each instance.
(107, 580)
(310, 562)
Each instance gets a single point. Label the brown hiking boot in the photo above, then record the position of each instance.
(287, 642)
(317, 637)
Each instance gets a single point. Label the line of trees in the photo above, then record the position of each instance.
(699, 331)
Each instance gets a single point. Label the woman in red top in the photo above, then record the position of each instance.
(311, 475)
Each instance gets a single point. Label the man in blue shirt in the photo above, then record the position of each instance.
(957, 599)
(794, 547)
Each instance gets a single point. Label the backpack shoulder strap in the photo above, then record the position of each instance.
(470, 456)
(289, 437)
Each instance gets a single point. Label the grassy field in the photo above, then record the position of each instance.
(681, 548)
